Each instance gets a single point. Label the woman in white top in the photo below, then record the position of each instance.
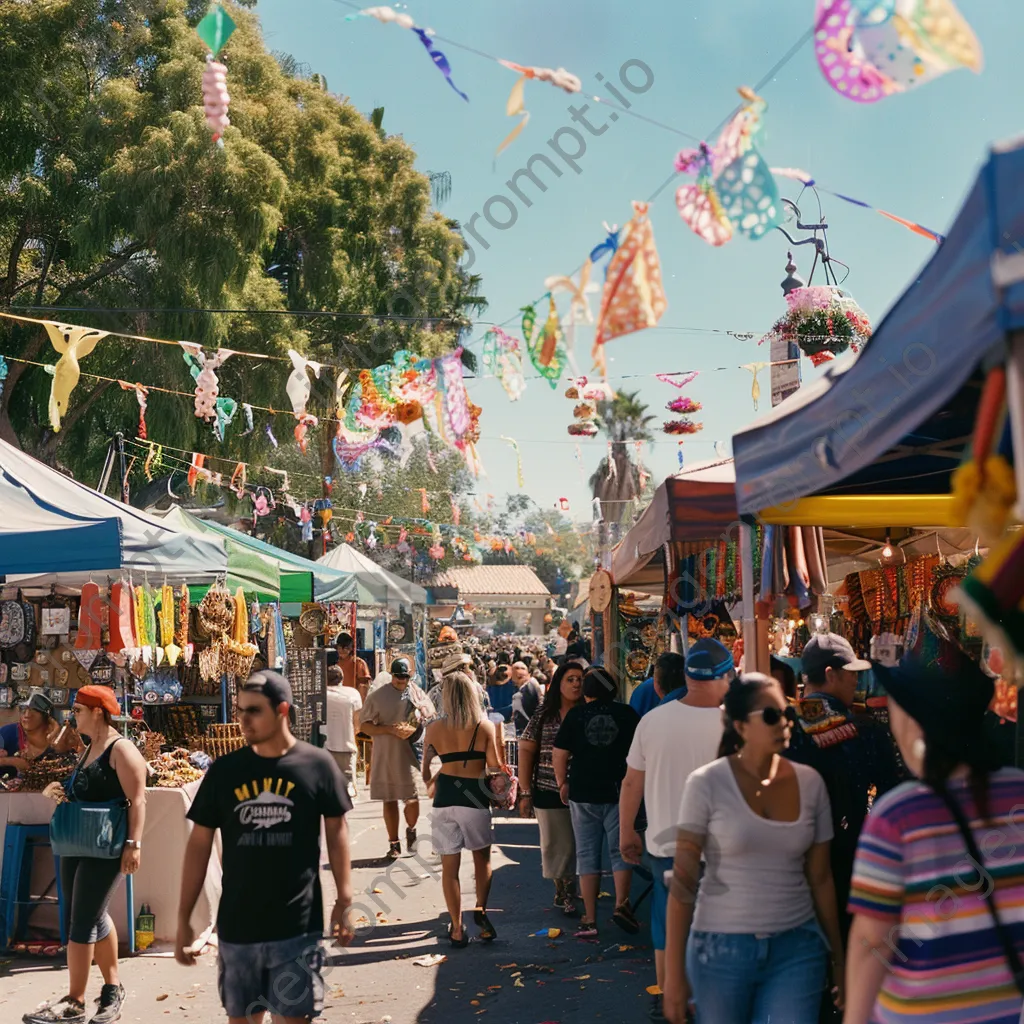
(755, 949)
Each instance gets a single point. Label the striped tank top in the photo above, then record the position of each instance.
(913, 869)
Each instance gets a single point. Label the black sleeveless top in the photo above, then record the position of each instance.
(455, 791)
(98, 782)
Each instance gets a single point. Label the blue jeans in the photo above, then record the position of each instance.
(593, 825)
(746, 979)
(659, 898)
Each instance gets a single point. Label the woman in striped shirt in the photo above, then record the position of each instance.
(938, 885)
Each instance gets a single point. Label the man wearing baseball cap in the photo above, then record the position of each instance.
(268, 801)
(855, 757)
(392, 715)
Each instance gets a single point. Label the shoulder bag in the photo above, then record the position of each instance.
(1005, 938)
(84, 829)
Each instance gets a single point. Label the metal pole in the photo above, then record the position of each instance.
(1015, 404)
(747, 574)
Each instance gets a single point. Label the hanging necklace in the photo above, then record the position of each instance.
(763, 783)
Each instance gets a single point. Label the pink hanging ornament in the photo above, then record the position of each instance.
(215, 97)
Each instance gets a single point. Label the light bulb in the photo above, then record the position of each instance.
(887, 550)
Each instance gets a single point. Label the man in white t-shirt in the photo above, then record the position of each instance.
(671, 741)
(343, 707)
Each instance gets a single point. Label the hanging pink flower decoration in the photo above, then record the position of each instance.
(682, 427)
(583, 428)
(684, 405)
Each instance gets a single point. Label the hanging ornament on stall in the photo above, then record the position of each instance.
(142, 397)
(633, 296)
(387, 15)
(870, 49)
(823, 320)
(203, 368)
(72, 344)
(215, 29)
(515, 106)
(684, 405)
(755, 387)
(544, 347)
(735, 188)
(683, 426)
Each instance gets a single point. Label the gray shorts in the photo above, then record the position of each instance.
(283, 978)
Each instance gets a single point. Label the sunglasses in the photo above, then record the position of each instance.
(772, 715)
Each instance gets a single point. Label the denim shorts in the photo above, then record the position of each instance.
(760, 979)
(283, 977)
(592, 824)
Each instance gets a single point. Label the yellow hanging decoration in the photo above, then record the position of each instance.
(515, 107)
(755, 388)
(166, 616)
(519, 458)
(241, 634)
(72, 344)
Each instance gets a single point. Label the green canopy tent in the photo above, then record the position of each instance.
(301, 579)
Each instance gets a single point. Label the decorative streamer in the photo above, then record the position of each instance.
(456, 401)
(203, 368)
(503, 356)
(215, 30)
(154, 459)
(633, 296)
(578, 455)
(299, 386)
(519, 458)
(142, 397)
(456, 511)
(515, 106)
(535, 342)
(755, 388)
(388, 14)
(72, 344)
(237, 483)
(270, 436)
(247, 410)
(194, 470)
(677, 380)
(3, 375)
(424, 502)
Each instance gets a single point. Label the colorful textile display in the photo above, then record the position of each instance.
(734, 187)
(388, 14)
(503, 356)
(869, 50)
(72, 344)
(515, 107)
(633, 296)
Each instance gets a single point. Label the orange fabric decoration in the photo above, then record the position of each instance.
(633, 296)
(408, 412)
(92, 616)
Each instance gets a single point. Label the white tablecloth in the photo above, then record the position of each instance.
(158, 880)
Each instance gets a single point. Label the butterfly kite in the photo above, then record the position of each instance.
(389, 14)
(870, 49)
(735, 189)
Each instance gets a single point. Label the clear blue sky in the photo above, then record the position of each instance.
(913, 154)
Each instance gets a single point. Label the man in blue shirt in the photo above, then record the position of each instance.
(706, 659)
(501, 692)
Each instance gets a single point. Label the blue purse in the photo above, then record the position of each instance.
(84, 829)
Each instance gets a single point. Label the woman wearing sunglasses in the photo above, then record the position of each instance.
(751, 941)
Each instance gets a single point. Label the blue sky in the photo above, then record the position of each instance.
(913, 154)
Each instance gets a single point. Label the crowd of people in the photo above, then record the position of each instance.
(807, 863)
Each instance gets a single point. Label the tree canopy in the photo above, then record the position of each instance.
(120, 212)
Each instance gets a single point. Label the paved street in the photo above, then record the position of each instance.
(517, 979)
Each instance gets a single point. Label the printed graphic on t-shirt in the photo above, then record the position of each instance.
(261, 805)
(601, 730)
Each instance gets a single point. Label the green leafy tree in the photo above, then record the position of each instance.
(118, 207)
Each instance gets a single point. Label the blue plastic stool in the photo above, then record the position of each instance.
(20, 843)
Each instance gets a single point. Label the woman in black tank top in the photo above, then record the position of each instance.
(467, 745)
(111, 769)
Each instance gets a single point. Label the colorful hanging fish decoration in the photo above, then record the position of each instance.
(515, 107)
(870, 49)
(386, 15)
(735, 188)
(503, 357)
(633, 296)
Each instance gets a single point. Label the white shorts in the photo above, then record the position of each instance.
(454, 829)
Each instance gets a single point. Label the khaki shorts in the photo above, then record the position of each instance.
(454, 829)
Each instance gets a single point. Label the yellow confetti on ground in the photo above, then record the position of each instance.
(519, 983)
(653, 990)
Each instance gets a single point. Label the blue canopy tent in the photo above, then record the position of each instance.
(897, 419)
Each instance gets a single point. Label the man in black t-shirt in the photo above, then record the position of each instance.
(589, 759)
(268, 800)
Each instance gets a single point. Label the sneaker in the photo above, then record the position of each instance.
(410, 840)
(657, 1011)
(394, 850)
(108, 1006)
(66, 1010)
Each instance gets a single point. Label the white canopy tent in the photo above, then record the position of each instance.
(385, 587)
(147, 544)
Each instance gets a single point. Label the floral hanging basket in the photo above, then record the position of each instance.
(583, 428)
(824, 321)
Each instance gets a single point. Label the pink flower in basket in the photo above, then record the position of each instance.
(812, 297)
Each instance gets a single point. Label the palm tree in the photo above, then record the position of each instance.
(616, 481)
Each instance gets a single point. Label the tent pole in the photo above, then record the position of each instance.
(747, 574)
(1015, 403)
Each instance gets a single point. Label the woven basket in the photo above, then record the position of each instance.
(217, 611)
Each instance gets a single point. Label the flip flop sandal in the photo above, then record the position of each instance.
(624, 918)
(569, 907)
(586, 930)
(488, 933)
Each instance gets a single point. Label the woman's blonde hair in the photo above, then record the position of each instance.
(460, 701)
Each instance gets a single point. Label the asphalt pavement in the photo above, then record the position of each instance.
(520, 978)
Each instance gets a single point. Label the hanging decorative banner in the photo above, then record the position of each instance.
(247, 409)
(550, 371)
(270, 436)
(734, 187)
(677, 380)
(215, 30)
(385, 15)
(519, 458)
(869, 50)
(154, 459)
(633, 296)
(72, 344)
(3, 375)
(237, 483)
(142, 396)
(456, 401)
(503, 356)
(515, 107)
(203, 368)
(299, 386)
(755, 387)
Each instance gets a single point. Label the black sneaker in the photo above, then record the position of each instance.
(394, 850)
(657, 1011)
(410, 840)
(108, 1006)
(65, 1010)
